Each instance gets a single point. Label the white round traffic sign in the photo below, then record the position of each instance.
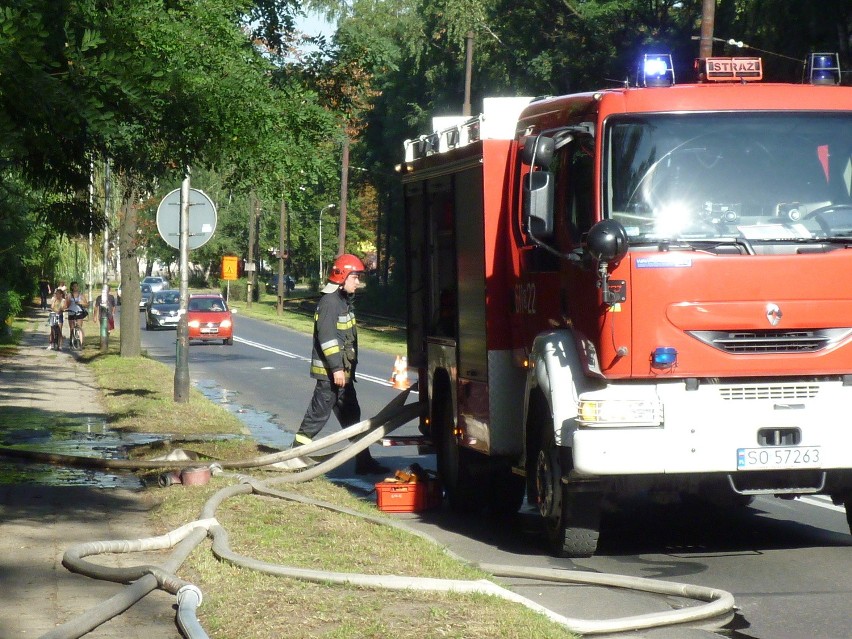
(202, 219)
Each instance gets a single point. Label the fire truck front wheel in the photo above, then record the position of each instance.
(571, 517)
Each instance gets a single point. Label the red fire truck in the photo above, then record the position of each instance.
(639, 290)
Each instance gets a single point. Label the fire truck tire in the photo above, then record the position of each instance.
(571, 517)
(458, 469)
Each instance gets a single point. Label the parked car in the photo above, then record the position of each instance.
(145, 293)
(272, 284)
(209, 318)
(162, 309)
(156, 283)
(152, 283)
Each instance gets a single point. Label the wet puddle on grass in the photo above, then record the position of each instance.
(84, 436)
(261, 424)
(90, 436)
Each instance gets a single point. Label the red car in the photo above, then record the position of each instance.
(209, 318)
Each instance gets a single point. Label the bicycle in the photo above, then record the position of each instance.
(55, 330)
(75, 330)
(76, 338)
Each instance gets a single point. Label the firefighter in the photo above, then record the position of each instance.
(334, 359)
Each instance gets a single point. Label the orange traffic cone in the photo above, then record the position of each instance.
(399, 377)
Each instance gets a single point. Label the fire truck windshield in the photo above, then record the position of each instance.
(760, 176)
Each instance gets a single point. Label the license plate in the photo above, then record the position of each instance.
(781, 457)
(208, 331)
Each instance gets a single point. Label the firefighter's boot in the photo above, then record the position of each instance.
(365, 464)
(296, 463)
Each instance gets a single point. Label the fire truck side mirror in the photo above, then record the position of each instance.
(538, 204)
(538, 150)
(607, 241)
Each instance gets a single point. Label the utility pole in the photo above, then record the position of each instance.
(250, 268)
(321, 274)
(289, 263)
(90, 267)
(344, 195)
(181, 391)
(282, 287)
(321, 270)
(104, 310)
(468, 71)
(708, 20)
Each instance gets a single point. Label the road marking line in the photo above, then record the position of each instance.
(270, 349)
(277, 351)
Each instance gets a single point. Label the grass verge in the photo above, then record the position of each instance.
(241, 604)
(139, 396)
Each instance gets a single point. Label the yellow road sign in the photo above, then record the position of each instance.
(230, 268)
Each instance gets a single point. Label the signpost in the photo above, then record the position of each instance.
(186, 219)
(230, 270)
(202, 219)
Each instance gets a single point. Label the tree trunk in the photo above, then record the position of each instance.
(131, 295)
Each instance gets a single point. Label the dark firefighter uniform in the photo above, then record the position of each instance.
(335, 348)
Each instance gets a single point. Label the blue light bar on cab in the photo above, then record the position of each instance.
(824, 68)
(656, 70)
(664, 357)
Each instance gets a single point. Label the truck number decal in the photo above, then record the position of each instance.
(525, 298)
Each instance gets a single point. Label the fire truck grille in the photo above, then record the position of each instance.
(773, 392)
(771, 341)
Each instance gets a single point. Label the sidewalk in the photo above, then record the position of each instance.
(38, 523)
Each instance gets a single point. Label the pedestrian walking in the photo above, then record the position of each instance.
(335, 358)
(44, 291)
(108, 306)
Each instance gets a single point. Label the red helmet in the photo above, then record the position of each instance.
(343, 266)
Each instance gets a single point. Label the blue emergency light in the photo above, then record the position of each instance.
(664, 357)
(656, 70)
(823, 68)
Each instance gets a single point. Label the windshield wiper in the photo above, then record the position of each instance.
(693, 243)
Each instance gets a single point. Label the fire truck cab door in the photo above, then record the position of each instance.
(550, 282)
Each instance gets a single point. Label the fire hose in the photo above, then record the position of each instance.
(717, 608)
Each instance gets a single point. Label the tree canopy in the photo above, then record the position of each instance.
(229, 89)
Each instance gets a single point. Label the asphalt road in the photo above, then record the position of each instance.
(788, 563)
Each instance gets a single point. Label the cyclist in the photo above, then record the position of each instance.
(57, 308)
(76, 305)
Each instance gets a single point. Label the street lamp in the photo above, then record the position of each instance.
(321, 272)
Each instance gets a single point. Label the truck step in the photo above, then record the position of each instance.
(424, 444)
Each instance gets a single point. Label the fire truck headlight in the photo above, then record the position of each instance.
(616, 413)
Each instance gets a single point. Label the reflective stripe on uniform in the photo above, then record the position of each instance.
(330, 347)
(345, 322)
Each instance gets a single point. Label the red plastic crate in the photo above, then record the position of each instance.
(414, 497)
